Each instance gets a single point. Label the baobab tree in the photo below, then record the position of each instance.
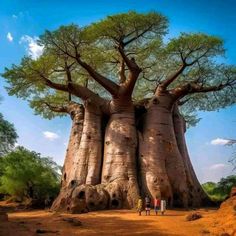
(126, 91)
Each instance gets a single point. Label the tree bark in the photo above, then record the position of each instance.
(76, 112)
(88, 158)
(77, 116)
(196, 194)
(119, 173)
(82, 167)
(161, 163)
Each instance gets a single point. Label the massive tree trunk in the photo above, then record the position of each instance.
(99, 178)
(88, 159)
(162, 167)
(76, 113)
(196, 195)
(83, 165)
(119, 172)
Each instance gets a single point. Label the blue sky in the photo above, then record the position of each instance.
(22, 21)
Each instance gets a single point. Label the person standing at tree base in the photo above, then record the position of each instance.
(163, 206)
(157, 203)
(147, 205)
(140, 206)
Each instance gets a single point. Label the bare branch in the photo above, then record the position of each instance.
(109, 85)
(163, 86)
(137, 36)
(191, 88)
(122, 72)
(57, 108)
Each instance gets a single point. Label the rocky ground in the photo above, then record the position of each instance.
(18, 222)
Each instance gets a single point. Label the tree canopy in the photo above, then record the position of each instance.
(124, 53)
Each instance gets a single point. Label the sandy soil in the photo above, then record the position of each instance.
(118, 222)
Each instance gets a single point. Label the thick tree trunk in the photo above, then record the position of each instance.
(84, 166)
(161, 163)
(77, 115)
(88, 159)
(197, 196)
(119, 172)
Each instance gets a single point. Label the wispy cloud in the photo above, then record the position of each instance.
(218, 166)
(18, 15)
(33, 48)
(9, 37)
(50, 135)
(220, 141)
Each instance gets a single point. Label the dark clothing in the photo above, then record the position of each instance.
(147, 201)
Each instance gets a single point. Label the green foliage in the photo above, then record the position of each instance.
(127, 27)
(8, 136)
(191, 47)
(27, 174)
(221, 190)
(140, 35)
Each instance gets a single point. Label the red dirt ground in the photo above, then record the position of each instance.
(121, 222)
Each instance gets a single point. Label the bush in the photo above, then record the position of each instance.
(25, 174)
(221, 190)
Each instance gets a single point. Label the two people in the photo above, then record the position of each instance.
(159, 205)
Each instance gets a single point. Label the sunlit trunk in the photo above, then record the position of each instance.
(196, 195)
(119, 172)
(161, 162)
(88, 159)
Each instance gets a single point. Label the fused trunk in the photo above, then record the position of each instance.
(161, 163)
(77, 116)
(82, 168)
(76, 112)
(88, 158)
(119, 172)
(196, 195)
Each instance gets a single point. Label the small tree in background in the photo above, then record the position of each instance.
(8, 136)
(28, 175)
(232, 142)
(221, 190)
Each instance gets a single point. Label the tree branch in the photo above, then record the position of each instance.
(122, 72)
(62, 109)
(137, 36)
(134, 71)
(109, 85)
(77, 90)
(163, 86)
(191, 88)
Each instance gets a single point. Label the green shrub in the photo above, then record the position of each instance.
(221, 190)
(25, 174)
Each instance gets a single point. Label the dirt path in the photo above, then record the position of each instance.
(119, 222)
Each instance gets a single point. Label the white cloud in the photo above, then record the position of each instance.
(33, 48)
(220, 141)
(9, 37)
(218, 166)
(50, 135)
